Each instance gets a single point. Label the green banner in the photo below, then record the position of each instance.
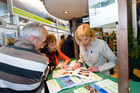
(62, 27)
(28, 15)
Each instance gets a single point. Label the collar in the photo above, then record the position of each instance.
(24, 43)
(93, 42)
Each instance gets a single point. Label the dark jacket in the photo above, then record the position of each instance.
(22, 66)
(68, 47)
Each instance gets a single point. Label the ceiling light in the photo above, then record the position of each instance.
(66, 12)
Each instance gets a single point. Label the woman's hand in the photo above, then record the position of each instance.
(76, 66)
(51, 68)
(93, 69)
(64, 65)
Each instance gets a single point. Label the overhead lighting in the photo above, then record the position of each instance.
(66, 12)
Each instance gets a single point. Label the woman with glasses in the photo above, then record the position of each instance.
(93, 51)
(50, 50)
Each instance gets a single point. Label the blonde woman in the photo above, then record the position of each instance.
(93, 51)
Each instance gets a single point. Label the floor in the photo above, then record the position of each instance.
(115, 74)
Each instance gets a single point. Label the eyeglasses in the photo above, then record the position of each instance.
(43, 42)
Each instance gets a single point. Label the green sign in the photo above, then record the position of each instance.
(34, 17)
(62, 27)
(28, 15)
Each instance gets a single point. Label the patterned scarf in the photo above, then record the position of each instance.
(52, 58)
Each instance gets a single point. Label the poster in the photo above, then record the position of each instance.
(9, 37)
(102, 12)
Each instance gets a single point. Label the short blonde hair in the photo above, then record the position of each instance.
(84, 30)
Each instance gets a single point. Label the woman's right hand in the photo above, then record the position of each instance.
(77, 65)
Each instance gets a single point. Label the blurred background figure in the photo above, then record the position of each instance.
(62, 37)
(68, 47)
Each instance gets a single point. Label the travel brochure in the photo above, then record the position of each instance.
(64, 72)
(55, 85)
(70, 65)
(89, 89)
(108, 85)
(104, 86)
(80, 72)
(83, 72)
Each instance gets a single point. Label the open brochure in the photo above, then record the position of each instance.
(89, 89)
(83, 73)
(104, 86)
(70, 65)
(60, 83)
(108, 85)
(63, 72)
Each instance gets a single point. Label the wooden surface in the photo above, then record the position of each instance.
(122, 47)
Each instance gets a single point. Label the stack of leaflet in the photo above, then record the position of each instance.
(104, 86)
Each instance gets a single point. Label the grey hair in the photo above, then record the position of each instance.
(32, 29)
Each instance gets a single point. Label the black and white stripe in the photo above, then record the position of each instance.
(20, 74)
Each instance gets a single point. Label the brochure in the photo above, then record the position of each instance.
(90, 89)
(60, 83)
(104, 86)
(83, 73)
(63, 72)
(70, 81)
(92, 78)
(109, 85)
(53, 86)
(70, 65)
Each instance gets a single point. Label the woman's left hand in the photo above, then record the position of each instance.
(64, 65)
(93, 69)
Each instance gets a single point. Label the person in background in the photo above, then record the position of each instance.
(105, 37)
(62, 37)
(68, 47)
(93, 51)
(22, 68)
(138, 20)
(111, 42)
(50, 50)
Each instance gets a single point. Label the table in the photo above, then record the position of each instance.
(134, 87)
